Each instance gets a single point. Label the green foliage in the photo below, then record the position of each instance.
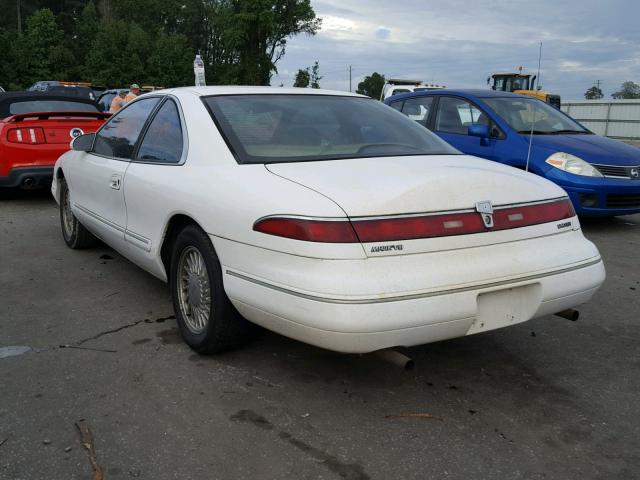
(594, 93)
(371, 85)
(315, 75)
(171, 62)
(308, 77)
(627, 90)
(117, 42)
(40, 54)
(117, 55)
(302, 78)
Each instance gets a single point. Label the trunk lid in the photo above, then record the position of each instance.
(391, 186)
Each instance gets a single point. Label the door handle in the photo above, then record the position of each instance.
(115, 182)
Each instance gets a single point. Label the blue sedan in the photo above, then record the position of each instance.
(601, 175)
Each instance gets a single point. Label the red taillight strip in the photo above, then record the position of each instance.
(464, 223)
(385, 229)
(327, 231)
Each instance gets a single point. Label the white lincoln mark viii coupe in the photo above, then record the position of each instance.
(324, 216)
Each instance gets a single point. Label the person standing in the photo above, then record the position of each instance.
(134, 91)
(118, 101)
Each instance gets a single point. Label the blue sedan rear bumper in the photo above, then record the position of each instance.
(592, 196)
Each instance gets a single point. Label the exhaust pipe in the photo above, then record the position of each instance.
(569, 314)
(29, 182)
(396, 358)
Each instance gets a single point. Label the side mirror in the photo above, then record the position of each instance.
(83, 143)
(478, 130)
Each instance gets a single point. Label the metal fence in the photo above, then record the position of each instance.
(611, 118)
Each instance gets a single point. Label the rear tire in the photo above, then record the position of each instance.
(207, 320)
(75, 235)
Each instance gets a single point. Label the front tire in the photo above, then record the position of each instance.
(75, 235)
(206, 318)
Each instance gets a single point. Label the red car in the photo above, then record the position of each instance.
(35, 129)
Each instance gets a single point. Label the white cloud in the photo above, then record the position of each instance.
(460, 42)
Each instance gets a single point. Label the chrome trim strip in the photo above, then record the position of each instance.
(99, 218)
(414, 296)
(137, 240)
(137, 237)
(408, 215)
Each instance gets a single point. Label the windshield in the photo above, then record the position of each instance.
(30, 106)
(276, 128)
(526, 114)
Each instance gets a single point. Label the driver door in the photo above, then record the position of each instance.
(97, 177)
(452, 120)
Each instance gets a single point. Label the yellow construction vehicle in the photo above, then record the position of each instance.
(524, 84)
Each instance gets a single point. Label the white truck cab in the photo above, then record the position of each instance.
(395, 86)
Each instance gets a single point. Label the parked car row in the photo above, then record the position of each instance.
(326, 216)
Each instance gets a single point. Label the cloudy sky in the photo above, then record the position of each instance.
(459, 43)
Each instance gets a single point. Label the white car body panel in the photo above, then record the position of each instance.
(341, 296)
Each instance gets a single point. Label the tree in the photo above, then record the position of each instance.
(83, 35)
(302, 78)
(118, 55)
(170, 64)
(257, 31)
(308, 77)
(315, 75)
(594, 93)
(116, 42)
(40, 52)
(371, 85)
(628, 90)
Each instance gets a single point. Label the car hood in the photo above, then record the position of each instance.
(591, 148)
(416, 184)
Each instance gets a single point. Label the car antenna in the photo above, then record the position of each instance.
(526, 168)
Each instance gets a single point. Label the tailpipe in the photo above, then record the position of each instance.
(29, 182)
(396, 358)
(569, 314)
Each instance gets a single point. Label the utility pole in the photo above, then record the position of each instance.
(350, 78)
(19, 17)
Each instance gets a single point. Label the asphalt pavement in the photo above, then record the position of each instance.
(100, 379)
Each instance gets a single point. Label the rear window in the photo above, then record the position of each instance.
(30, 106)
(292, 128)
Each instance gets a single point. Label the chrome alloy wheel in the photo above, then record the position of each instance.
(67, 216)
(194, 291)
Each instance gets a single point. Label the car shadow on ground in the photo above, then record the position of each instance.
(19, 194)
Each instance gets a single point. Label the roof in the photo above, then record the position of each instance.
(471, 92)
(235, 90)
(513, 74)
(7, 98)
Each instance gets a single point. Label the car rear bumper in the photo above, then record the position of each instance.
(27, 177)
(394, 311)
(344, 327)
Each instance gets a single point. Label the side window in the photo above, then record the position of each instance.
(163, 142)
(118, 137)
(455, 115)
(397, 105)
(417, 108)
